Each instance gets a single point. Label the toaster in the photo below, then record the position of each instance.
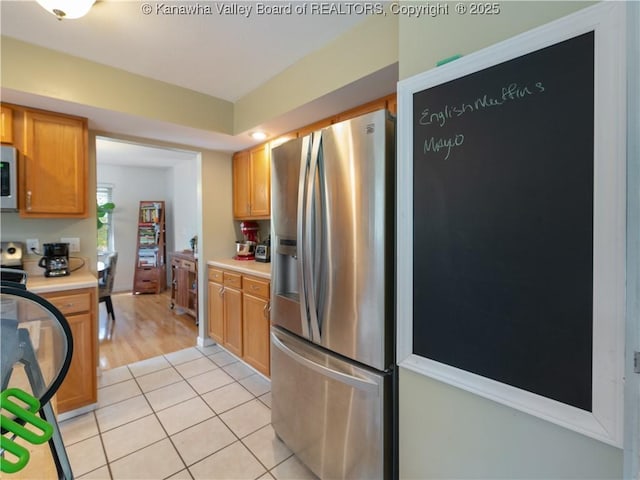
(263, 253)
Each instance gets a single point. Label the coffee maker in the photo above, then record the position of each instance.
(55, 260)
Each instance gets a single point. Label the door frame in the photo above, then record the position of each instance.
(632, 387)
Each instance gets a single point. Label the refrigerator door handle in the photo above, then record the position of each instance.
(311, 243)
(363, 384)
(300, 247)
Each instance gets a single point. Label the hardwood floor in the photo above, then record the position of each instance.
(145, 327)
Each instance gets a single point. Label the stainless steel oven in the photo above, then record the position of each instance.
(9, 178)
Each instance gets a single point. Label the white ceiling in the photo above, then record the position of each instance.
(129, 154)
(225, 56)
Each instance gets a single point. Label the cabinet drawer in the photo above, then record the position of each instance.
(147, 274)
(189, 265)
(73, 303)
(256, 287)
(146, 286)
(215, 275)
(232, 279)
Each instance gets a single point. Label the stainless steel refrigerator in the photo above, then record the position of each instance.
(333, 379)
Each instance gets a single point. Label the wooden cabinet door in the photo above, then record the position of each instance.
(256, 332)
(79, 386)
(241, 172)
(216, 312)
(6, 125)
(55, 166)
(260, 182)
(182, 287)
(233, 320)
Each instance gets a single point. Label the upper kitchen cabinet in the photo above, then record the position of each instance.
(6, 125)
(54, 166)
(251, 183)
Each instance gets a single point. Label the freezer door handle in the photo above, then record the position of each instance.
(363, 384)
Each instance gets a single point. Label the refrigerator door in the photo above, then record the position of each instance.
(331, 413)
(289, 171)
(351, 257)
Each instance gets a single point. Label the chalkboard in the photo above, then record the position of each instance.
(503, 168)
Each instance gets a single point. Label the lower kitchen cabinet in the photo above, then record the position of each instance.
(225, 309)
(238, 316)
(79, 387)
(255, 306)
(233, 320)
(215, 310)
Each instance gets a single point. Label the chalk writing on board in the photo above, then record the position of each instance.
(509, 93)
(433, 144)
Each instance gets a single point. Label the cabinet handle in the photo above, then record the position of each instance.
(221, 291)
(255, 287)
(266, 310)
(28, 200)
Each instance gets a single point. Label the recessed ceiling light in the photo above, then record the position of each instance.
(258, 135)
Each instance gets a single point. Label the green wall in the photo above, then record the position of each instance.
(367, 48)
(41, 71)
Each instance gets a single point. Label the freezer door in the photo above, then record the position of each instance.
(333, 415)
(352, 261)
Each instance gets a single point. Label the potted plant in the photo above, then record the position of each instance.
(102, 211)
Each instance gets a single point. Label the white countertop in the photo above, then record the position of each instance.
(250, 267)
(38, 283)
(41, 284)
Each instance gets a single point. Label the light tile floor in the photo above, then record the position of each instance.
(198, 413)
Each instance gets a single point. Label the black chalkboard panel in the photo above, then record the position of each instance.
(503, 222)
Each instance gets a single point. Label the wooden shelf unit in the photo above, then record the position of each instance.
(150, 274)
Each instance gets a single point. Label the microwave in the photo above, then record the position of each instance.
(9, 177)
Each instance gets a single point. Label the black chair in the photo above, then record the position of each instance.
(105, 282)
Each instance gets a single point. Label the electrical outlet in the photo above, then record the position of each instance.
(74, 243)
(33, 245)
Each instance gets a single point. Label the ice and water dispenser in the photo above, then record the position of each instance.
(285, 178)
(285, 302)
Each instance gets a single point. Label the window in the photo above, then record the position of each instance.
(105, 232)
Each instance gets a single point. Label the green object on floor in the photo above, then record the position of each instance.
(28, 416)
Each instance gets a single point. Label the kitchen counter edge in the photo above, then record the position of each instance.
(42, 284)
(249, 267)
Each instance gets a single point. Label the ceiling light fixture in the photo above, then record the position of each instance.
(259, 136)
(67, 9)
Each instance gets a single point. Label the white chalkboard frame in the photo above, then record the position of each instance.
(605, 422)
